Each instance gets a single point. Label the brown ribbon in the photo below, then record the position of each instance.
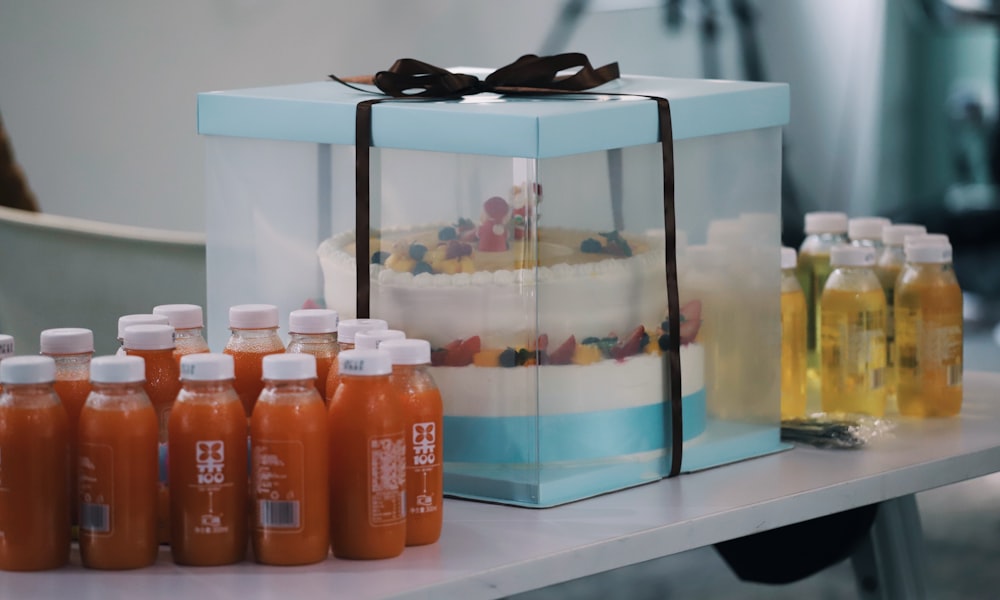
(410, 79)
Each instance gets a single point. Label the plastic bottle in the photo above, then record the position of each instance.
(254, 335)
(852, 339)
(208, 465)
(346, 331)
(372, 339)
(867, 231)
(793, 340)
(119, 471)
(126, 321)
(423, 427)
(888, 265)
(290, 494)
(188, 323)
(71, 348)
(6, 345)
(824, 230)
(314, 331)
(34, 467)
(155, 344)
(929, 333)
(367, 459)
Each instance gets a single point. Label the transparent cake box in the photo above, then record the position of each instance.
(524, 238)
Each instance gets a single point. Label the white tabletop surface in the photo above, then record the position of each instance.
(490, 551)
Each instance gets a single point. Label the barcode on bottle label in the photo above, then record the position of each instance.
(279, 514)
(953, 374)
(878, 378)
(95, 518)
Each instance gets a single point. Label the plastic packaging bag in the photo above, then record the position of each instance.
(835, 430)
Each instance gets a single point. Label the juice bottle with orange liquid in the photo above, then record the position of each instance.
(118, 465)
(254, 335)
(929, 333)
(346, 331)
(290, 494)
(71, 348)
(367, 459)
(314, 331)
(208, 465)
(155, 344)
(852, 338)
(188, 323)
(422, 414)
(793, 340)
(126, 321)
(34, 467)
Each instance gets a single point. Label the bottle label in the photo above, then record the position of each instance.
(387, 479)
(279, 484)
(423, 443)
(96, 480)
(210, 461)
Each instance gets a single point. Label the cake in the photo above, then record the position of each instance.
(585, 309)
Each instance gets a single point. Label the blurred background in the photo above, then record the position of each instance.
(894, 113)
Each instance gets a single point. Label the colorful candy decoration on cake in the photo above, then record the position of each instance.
(526, 206)
(493, 232)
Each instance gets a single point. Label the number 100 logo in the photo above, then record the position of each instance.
(210, 458)
(423, 437)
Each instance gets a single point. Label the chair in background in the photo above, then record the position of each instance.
(58, 271)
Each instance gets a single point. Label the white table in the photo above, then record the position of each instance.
(490, 551)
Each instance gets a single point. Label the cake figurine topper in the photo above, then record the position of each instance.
(492, 231)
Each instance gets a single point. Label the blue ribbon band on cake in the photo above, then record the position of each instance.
(530, 75)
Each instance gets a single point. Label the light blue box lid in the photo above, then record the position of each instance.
(324, 112)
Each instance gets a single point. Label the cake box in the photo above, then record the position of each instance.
(525, 238)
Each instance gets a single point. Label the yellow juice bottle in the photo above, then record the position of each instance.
(867, 231)
(852, 338)
(793, 340)
(929, 333)
(824, 230)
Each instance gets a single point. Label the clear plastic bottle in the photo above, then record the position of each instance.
(188, 322)
(314, 331)
(372, 340)
(346, 332)
(6, 345)
(254, 335)
(824, 230)
(34, 467)
(867, 231)
(793, 340)
(118, 467)
(929, 333)
(72, 349)
(852, 339)
(138, 319)
(423, 416)
(290, 515)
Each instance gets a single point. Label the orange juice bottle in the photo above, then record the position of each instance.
(208, 465)
(126, 321)
(793, 340)
(422, 416)
(289, 467)
(346, 331)
(188, 323)
(254, 335)
(118, 465)
(929, 333)
(367, 459)
(34, 467)
(155, 344)
(314, 331)
(71, 348)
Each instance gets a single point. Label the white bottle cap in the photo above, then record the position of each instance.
(289, 366)
(928, 253)
(826, 222)
(893, 235)
(925, 239)
(866, 228)
(66, 340)
(789, 258)
(843, 255)
(253, 316)
(312, 320)
(28, 369)
(349, 327)
(207, 367)
(181, 316)
(364, 362)
(6, 345)
(408, 352)
(372, 339)
(146, 319)
(118, 369)
(149, 337)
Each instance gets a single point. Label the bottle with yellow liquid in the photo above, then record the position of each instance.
(852, 338)
(793, 340)
(867, 231)
(887, 268)
(929, 333)
(824, 230)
